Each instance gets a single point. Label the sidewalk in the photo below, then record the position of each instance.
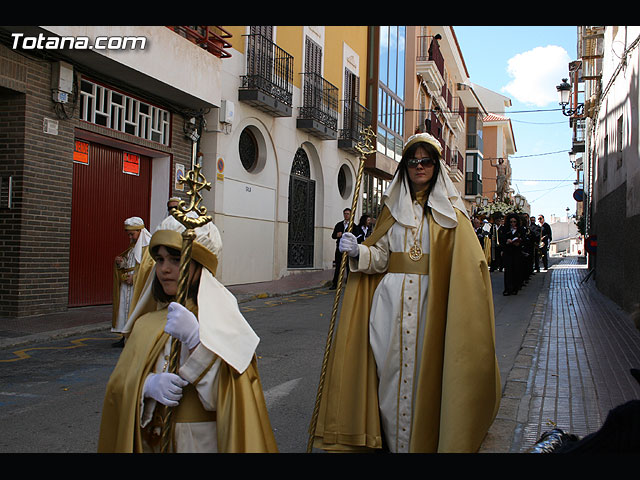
(15, 332)
(573, 364)
(571, 367)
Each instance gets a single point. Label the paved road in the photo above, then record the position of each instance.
(51, 393)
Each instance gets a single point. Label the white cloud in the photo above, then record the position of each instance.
(536, 73)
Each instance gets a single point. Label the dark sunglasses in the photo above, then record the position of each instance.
(425, 162)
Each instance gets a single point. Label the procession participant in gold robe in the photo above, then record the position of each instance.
(216, 393)
(413, 365)
(124, 271)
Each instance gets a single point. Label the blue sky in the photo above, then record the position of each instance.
(525, 63)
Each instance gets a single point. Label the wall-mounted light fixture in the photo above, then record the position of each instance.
(576, 163)
(564, 91)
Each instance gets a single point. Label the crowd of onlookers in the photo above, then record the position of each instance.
(514, 244)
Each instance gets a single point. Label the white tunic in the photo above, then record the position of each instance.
(195, 437)
(396, 326)
(126, 292)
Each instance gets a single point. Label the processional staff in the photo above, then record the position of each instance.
(195, 181)
(364, 146)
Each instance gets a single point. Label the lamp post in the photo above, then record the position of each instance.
(564, 92)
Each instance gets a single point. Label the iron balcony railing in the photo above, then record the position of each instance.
(579, 128)
(269, 69)
(320, 100)
(434, 126)
(460, 109)
(355, 119)
(455, 160)
(429, 49)
(211, 38)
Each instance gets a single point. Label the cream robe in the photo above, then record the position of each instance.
(125, 291)
(200, 368)
(123, 294)
(457, 380)
(396, 326)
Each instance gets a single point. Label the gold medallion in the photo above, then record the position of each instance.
(415, 252)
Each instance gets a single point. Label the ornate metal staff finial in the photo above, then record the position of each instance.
(365, 146)
(195, 181)
(365, 143)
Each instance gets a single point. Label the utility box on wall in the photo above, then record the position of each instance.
(226, 111)
(61, 81)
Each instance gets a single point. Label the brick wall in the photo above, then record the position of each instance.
(35, 232)
(11, 152)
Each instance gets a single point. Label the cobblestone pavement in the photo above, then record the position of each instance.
(573, 365)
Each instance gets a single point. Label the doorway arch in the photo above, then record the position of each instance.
(301, 213)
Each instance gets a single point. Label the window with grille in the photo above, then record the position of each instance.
(103, 106)
(248, 149)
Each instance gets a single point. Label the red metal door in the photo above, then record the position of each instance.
(103, 197)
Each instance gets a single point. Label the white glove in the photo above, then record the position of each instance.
(165, 388)
(349, 244)
(183, 325)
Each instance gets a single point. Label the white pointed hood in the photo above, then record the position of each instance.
(443, 197)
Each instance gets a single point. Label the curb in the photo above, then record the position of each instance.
(505, 433)
(12, 342)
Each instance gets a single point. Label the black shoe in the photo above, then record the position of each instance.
(506, 294)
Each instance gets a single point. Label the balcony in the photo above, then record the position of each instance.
(430, 63)
(212, 39)
(319, 112)
(579, 127)
(457, 114)
(474, 141)
(434, 126)
(355, 119)
(454, 161)
(267, 85)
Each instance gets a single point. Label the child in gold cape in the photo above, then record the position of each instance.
(216, 395)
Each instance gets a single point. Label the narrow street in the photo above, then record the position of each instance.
(68, 376)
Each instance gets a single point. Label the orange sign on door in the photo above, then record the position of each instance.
(81, 152)
(131, 163)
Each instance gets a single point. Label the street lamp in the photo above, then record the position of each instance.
(572, 159)
(519, 199)
(478, 200)
(564, 91)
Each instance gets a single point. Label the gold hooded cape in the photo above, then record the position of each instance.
(458, 389)
(242, 419)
